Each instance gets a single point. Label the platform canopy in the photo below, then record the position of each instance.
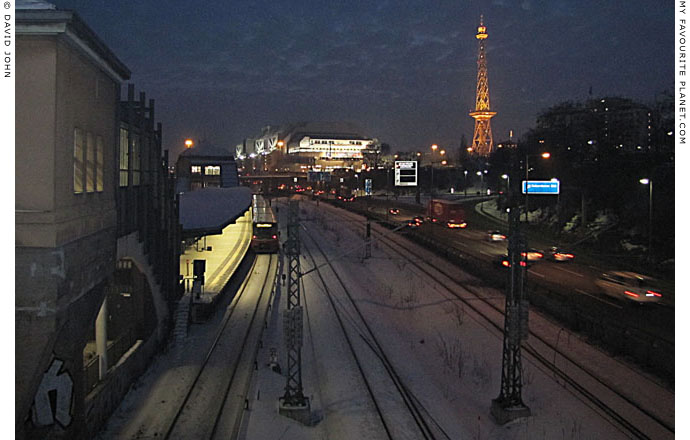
(208, 211)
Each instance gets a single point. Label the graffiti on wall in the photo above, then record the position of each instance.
(53, 400)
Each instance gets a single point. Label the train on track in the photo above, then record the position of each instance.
(264, 226)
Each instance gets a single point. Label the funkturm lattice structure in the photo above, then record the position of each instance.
(482, 142)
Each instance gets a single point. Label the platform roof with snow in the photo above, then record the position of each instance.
(208, 211)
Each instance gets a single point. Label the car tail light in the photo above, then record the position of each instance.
(275, 236)
(652, 293)
(633, 294)
(253, 236)
(523, 264)
(506, 263)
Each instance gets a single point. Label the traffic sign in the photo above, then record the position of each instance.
(405, 173)
(541, 187)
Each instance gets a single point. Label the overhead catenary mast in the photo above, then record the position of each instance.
(482, 141)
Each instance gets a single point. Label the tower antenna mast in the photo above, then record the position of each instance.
(482, 141)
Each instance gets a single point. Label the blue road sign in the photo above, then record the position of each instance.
(541, 187)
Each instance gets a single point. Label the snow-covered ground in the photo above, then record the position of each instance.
(447, 355)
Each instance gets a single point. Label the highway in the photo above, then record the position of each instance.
(572, 284)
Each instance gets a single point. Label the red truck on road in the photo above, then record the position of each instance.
(446, 212)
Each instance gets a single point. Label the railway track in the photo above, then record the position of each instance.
(631, 417)
(213, 402)
(366, 352)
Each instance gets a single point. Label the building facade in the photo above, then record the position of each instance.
(205, 166)
(305, 146)
(96, 261)
(67, 92)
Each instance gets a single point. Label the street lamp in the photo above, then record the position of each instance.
(544, 155)
(465, 172)
(646, 181)
(506, 177)
(433, 150)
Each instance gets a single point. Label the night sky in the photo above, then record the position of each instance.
(405, 72)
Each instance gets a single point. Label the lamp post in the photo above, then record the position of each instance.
(506, 177)
(431, 190)
(649, 248)
(481, 182)
(465, 172)
(527, 156)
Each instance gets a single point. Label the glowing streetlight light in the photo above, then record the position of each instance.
(188, 143)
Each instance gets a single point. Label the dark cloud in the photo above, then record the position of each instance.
(405, 71)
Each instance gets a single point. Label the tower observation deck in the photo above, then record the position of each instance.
(482, 141)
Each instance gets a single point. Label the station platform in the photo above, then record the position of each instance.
(223, 254)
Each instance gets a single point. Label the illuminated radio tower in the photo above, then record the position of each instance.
(482, 142)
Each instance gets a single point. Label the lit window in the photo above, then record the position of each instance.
(136, 160)
(124, 157)
(212, 170)
(90, 162)
(196, 169)
(78, 161)
(99, 164)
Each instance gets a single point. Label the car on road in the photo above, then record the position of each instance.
(629, 286)
(504, 261)
(496, 236)
(419, 219)
(560, 255)
(534, 255)
(413, 224)
(394, 211)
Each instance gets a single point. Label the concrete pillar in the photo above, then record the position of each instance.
(102, 339)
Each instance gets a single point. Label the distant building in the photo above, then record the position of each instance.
(608, 123)
(312, 146)
(205, 166)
